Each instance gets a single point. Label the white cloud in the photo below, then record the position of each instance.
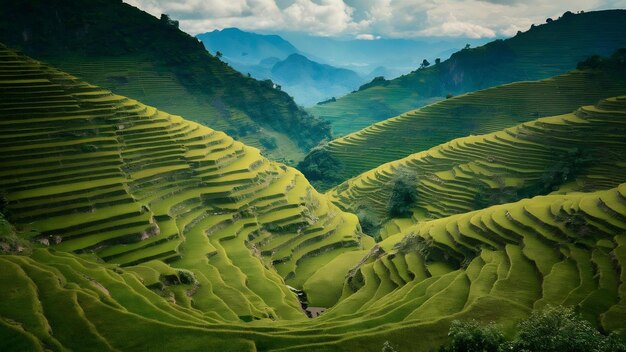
(366, 36)
(359, 18)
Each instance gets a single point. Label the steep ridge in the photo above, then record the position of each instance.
(93, 172)
(580, 151)
(543, 51)
(123, 49)
(474, 113)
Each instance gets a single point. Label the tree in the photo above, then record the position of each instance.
(557, 329)
(403, 194)
(467, 46)
(218, 54)
(387, 347)
(437, 61)
(553, 329)
(425, 64)
(166, 18)
(549, 20)
(470, 336)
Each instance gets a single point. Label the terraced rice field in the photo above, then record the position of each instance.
(542, 51)
(474, 113)
(580, 151)
(97, 173)
(512, 258)
(151, 232)
(140, 78)
(556, 249)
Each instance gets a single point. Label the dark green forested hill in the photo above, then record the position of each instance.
(131, 52)
(543, 51)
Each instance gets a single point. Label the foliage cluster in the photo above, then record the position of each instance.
(554, 329)
(403, 194)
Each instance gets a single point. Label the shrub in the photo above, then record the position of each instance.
(269, 143)
(321, 165)
(403, 194)
(593, 62)
(387, 347)
(470, 336)
(556, 329)
(370, 225)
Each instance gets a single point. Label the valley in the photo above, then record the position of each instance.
(149, 199)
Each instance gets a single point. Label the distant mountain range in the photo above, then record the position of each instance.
(246, 47)
(322, 68)
(272, 57)
(396, 56)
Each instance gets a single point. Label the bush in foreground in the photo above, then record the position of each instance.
(554, 329)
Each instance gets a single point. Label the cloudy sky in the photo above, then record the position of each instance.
(370, 19)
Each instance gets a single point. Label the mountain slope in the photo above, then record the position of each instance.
(495, 264)
(543, 51)
(580, 151)
(93, 172)
(479, 112)
(498, 273)
(132, 229)
(119, 47)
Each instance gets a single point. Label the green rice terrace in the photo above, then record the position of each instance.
(473, 113)
(578, 152)
(542, 51)
(126, 228)
(123, 49)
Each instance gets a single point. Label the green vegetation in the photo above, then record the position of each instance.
(535, 54)
(475, 113)
(123, 227)
(560, 154)
(94, 173)
(471, 336)
(553, 329)
(403, 195)
(119, 47)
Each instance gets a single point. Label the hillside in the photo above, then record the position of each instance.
(123, 227)
(123, 49)
(582, 151)
(474, 113)
(104, 174)
(543, 51)
(495, 264)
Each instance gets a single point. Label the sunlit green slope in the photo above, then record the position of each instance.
(543, 51)
(580, 151)
(474, 113)
(93, 172)
(123, 49)
(495, 264)
(125, 228)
